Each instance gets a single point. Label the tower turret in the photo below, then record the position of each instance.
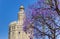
(21, 15)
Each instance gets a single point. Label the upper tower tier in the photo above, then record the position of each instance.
(21, 15)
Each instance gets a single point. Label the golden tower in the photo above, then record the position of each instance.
(16, 27)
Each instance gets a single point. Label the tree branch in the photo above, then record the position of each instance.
(58, 11)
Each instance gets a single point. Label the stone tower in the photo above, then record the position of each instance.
(16, 27)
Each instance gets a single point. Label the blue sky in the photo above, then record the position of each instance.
(8, 13)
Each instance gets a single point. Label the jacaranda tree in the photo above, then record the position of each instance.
(45, 20)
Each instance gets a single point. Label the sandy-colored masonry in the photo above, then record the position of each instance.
(16, 27)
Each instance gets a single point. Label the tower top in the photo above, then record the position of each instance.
(21, 13)
(21, 7)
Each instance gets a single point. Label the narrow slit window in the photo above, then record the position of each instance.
(19, 32)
